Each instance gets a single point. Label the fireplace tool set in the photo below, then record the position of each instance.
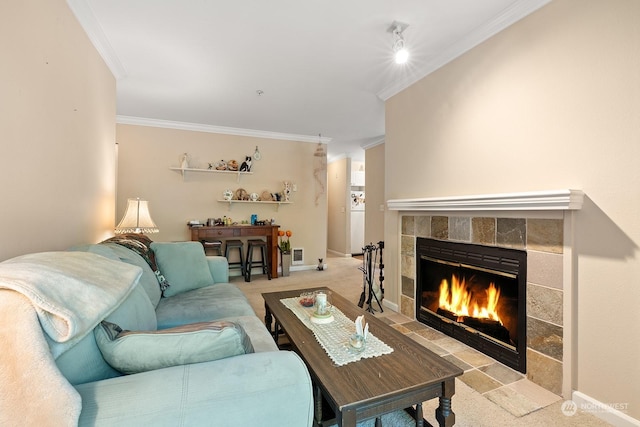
(372, 255)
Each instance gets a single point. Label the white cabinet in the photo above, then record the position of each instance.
(357, 179)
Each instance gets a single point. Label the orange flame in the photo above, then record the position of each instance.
(457, 299)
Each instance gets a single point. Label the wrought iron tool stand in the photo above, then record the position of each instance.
(372, 255)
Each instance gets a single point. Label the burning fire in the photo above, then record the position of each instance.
(457, 300)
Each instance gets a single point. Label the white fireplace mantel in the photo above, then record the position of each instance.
(530, 201)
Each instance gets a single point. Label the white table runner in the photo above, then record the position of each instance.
(334, 336)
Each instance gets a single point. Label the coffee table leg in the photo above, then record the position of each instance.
(444, 414)
(318, 404)
(268, 318)
(378, 422)
(419, 415)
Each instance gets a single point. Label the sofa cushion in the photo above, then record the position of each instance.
(117, 252)
(203, 305)
(249, 390)
(132, 352)
(84, 363)
(261, 339)
(184, 264)
(148, 280)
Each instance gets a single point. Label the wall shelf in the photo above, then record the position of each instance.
(184, 171)
(257, 202)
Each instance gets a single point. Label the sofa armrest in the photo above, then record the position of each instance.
(250, 389)
(219, 267)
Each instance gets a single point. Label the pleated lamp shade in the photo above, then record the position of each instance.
(137, 218)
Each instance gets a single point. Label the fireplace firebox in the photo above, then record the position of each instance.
(476, 294)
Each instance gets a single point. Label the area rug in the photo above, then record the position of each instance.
(394, 419)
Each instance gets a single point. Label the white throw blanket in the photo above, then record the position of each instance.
(64, 294)
(70, 291)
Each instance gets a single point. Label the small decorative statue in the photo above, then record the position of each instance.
(246, 165)
(287, 191)
(185, 161)
(320, 264)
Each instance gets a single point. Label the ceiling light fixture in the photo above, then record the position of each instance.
(400, 52)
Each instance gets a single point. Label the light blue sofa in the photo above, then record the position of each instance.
(267, 387)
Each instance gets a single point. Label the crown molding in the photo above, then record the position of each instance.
(507, 17)
(87, 19)
(530, 201)
(197, 127)
(372, 144)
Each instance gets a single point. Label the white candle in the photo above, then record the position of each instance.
(321, 300)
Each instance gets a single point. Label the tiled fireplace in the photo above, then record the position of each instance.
(531, 222)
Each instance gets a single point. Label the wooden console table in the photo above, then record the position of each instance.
(221, 232)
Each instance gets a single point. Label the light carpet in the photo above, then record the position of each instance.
(472, 409)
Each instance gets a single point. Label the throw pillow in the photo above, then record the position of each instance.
(131, 352)
(184, 264)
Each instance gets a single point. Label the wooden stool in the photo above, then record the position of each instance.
(263, 262)
(231, 245)
(213, 245)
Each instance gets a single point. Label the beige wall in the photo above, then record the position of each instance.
(339, 227)
(57, 128)
(146, 153)
(552, 102)
(374, 217)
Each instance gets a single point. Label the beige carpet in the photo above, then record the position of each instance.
(484, 398)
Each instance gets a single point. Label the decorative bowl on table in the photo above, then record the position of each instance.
(307, 299)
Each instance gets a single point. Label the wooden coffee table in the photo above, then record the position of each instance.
(371, 387)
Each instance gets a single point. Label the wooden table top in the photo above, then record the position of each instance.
(410, 372)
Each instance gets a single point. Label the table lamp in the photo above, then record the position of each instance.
(136, 218)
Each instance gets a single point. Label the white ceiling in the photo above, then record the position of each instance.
(325, 67)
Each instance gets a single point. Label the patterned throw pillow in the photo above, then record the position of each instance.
(131, 352)
(141, 244)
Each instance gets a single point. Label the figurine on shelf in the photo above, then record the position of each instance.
(287, 191)
(221, 165)
(246, 165)
(185, 161)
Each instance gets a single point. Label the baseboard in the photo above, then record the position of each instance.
(336, 253)
(391, 305)
(306, 267)
(609, 412)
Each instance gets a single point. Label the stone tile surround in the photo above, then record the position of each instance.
(542, 239)
(499, 384)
